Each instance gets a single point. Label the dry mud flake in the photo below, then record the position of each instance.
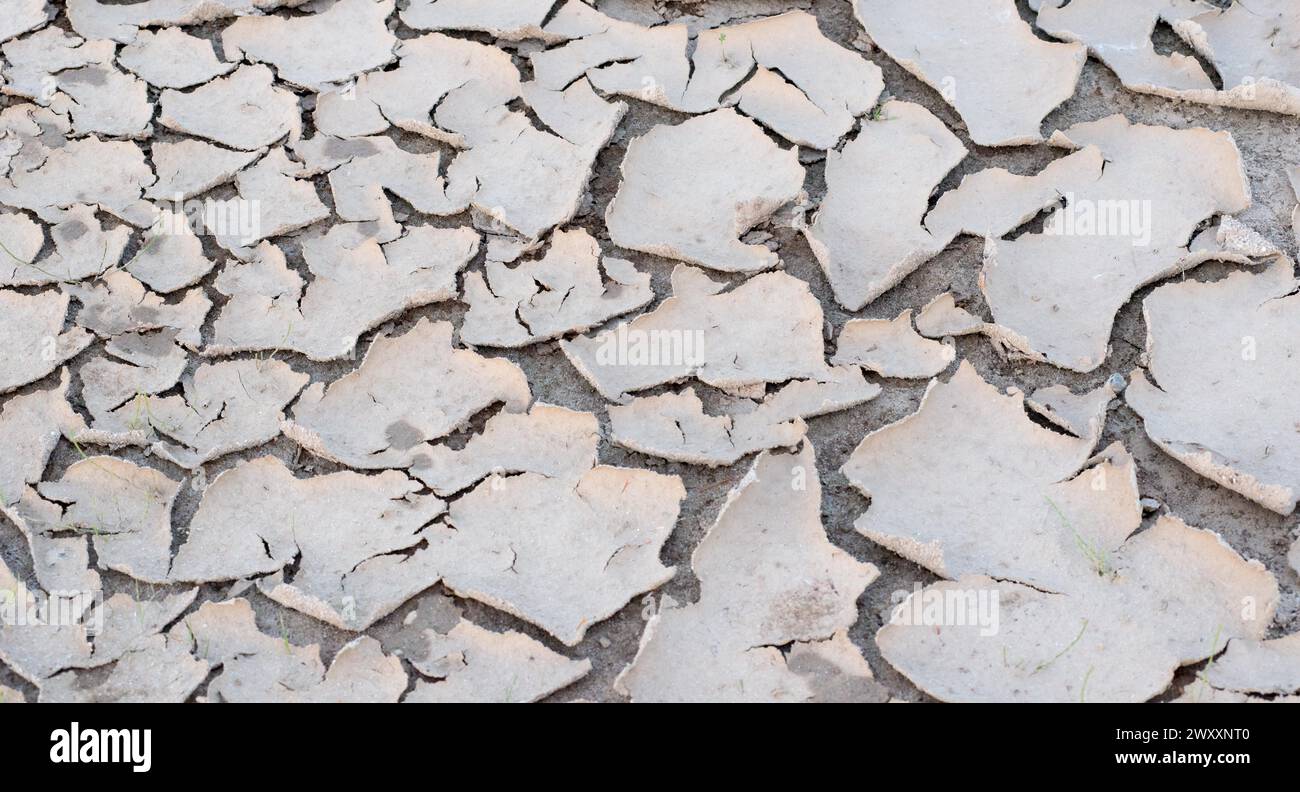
(125, 509)
(30, 428)
(96, 19)
(172, 58)
(273, 202)
(171, 257)
(117, 303)
(82, 249)
(891, 348)
(770, 581)
(1267, 668)
(1252, 47)
(188, 167)
(779, 70)
(766, 330)
(361, 170)
(32, 335)
(969, 484)
(690, 191)
(1221, 370)
(674, 425)
(34, 62)
(982, 58)
(570, 290)
(356, 540)
(243, 111)
(548, 440)
(782, 72)
(226, 407)
(112, 174)
(517, 176)
(37, 652)
(560, 552)
(358, 284)
(409, 390)
(256, 667)
(868, 234)
(1054, 294)
(20, 17)
(470, 664)
(332, 46)
(1168, 597)
(154, 671)
(7, 694)
(510, 20)
(104, 101)
(134, 366)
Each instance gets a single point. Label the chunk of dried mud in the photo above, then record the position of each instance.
(770, 580)
(125, 509)
(96, 19)
(1170, 596)
(569, 290)
(188, 167)
(891, 348)
(134, 366)
(868, 233)
(279, 203)
(35, 60)
(359, 282)
(171, 257)
(332, 46)
(117, 303)
(1258, 667)
(779, 70)
(782, 72)
(729, 339)
(256, 667)
(242, 111)
(22, 16)
(31, 332)
(551, 441)
(154, 670)
(172, 58)
(111, 174)
(982, 58)
(361, 170)
(943, 317)
(226, 407)
(101, 100)
(357, 540)
(690, 191)
(523, 178)
(969, 484)
(674, 425)
(510, 20)
(1251, 48)
(514, 542)
(82, 249)
(1054, 294)
(408, 391)
(1221, 357)
(30, 427)
(470, 664)
(7, 694)
(62, 639)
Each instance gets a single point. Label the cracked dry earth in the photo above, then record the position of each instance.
(644, 350)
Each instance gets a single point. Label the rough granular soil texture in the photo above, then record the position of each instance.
(650, 349)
